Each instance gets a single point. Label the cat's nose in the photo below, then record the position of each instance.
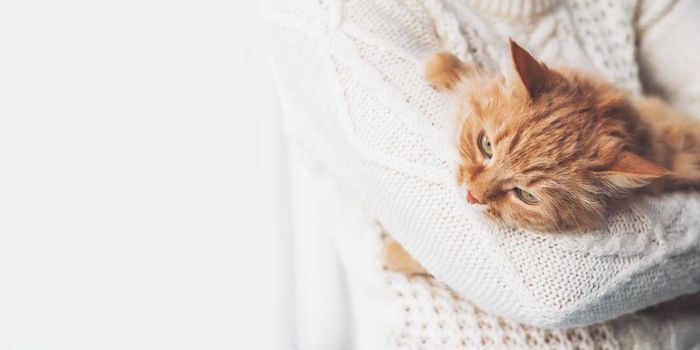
(471, 199)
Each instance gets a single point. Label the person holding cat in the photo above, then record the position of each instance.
(364, 116)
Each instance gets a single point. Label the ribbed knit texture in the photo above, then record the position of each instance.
(350, 71)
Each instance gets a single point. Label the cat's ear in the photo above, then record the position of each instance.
(533, 74)
(443, 70)
(630, 171)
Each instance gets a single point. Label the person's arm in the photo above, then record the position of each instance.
(350, 76)
(668, 34)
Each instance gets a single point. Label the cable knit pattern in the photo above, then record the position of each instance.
(392, 311)
(350, 71)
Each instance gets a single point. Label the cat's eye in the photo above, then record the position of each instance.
(485, 145)
(525, 196)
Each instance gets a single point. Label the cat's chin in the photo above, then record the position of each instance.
(482, 210)
(494, 217)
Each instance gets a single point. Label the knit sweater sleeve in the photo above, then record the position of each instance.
(349, 73)
(668, 51)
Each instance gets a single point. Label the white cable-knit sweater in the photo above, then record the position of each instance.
(350, 76)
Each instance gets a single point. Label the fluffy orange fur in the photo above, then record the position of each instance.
(572, 143)
(575, 143)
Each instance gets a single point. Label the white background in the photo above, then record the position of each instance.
(140, 178)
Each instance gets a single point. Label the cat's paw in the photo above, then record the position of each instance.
(397, 259)
(443, 70)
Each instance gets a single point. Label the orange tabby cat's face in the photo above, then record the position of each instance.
(528, 164)
(548, 150)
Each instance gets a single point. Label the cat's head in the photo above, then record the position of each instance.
(541, 148)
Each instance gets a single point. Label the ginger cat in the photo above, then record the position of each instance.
(550, 149)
